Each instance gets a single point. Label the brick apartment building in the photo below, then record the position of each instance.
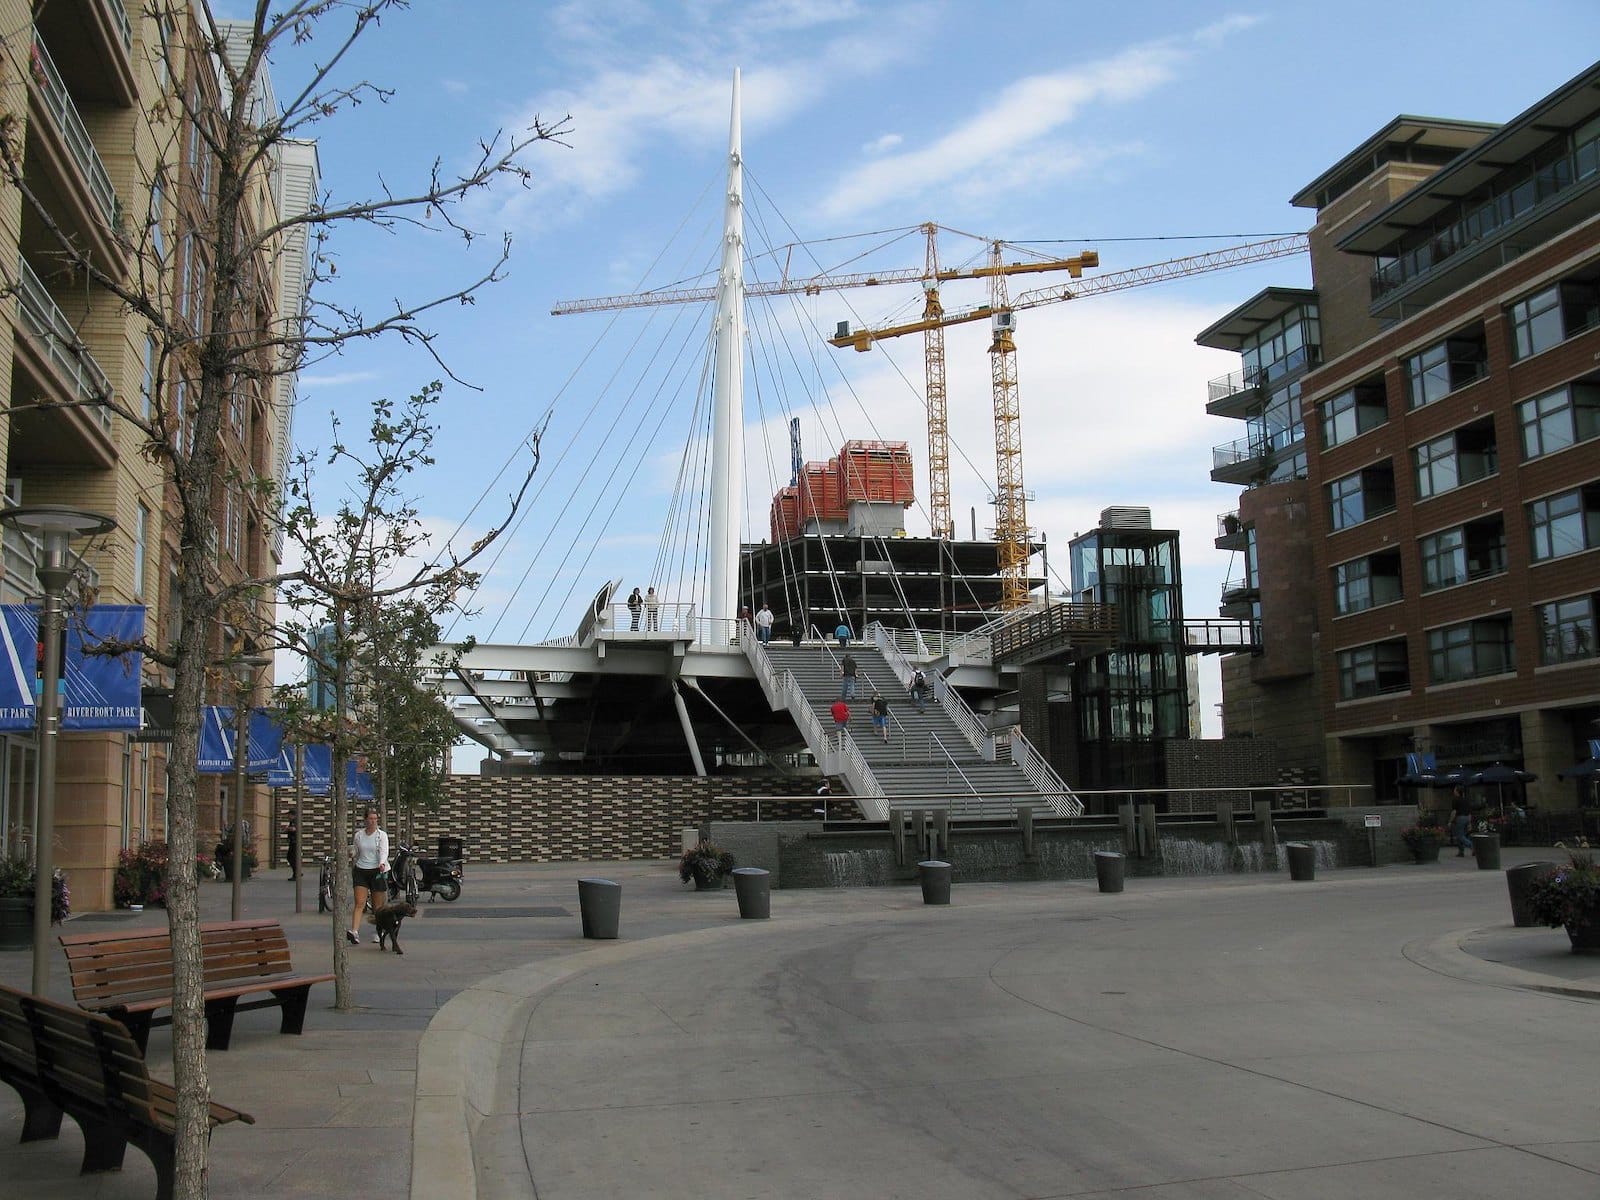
(113, 167)
(1420, 532)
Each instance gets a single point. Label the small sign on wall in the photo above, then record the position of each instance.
(1373, 821)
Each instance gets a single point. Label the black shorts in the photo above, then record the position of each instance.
(369, 878)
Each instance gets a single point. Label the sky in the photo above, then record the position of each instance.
(1142, 131)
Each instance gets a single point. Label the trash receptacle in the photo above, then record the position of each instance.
(753, 886)
(1302, 861)
(452, 847)
(1486, 849)
(1108, 870)
(935, 876)
(600, 903)
(1519, 881)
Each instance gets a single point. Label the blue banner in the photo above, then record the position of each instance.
(97, 691)
(217, 741)
(318, 762)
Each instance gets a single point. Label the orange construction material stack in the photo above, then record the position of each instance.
(879, 472)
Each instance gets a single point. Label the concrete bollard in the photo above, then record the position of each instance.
(1486, 849)
(1302, 861)
(1225, 822)
(1025, 824)
(1108, 870)
(1149, 836)
(753, 886)
(600, 904)
(935, 877)
(941, 833)
(1519, 881)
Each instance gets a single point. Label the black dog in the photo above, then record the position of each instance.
(388, 919)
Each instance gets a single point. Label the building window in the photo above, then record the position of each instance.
(1559, 419)
(1566, 630)
(147, 386)
(1374, 670)
(1366, 583)
(1284, 346)
(1351, 413)
(1550, 317)
(1460, 457)
(1446, 366)
(1565, 524)
(1471, 551)
(158, 216)
(1361, 496)
(1470, 650)
(141, 549)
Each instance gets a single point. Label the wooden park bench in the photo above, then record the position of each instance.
(62, 1060)
(127, 975)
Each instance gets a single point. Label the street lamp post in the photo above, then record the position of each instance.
(245, 672)
(55, 526)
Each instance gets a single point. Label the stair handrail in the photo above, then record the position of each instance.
(934, 738)
(784, 692)
(949, 699)
(1043, 776)
(901, 665)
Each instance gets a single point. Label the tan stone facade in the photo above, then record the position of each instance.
(120, 180)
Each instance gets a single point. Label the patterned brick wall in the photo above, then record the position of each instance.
(568, 818)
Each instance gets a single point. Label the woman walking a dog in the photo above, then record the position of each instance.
(369, 857)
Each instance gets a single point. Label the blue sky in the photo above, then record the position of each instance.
(1144, 131)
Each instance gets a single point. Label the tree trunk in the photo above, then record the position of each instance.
(344, 914)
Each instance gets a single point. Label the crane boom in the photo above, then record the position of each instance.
(811, 286)
(1115, 281)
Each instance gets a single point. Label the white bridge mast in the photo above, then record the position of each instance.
(727, 406)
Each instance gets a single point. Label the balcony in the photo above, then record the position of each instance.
(1238, 599)
(1231, 532)
(94, 47)
(61, 152)
(57, 384)
(1246, 461)
(1236, 395)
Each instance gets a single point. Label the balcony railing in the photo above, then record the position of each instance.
(1231, 385)
(119, 18)
(50, 325)
(1233, 453)
(59, 101)
(1236, 589)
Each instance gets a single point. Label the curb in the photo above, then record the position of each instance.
(1446, 955)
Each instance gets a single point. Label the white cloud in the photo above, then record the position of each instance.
(882, 145)
(336, 379)
(1017, 126)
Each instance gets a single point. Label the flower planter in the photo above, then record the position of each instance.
(1585, 939)
(16, 922)
(1426, 854)
(707, 881)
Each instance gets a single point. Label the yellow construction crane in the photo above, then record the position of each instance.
(1011, 521)
(930, 275)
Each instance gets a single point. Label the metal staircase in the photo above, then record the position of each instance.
(943, 752)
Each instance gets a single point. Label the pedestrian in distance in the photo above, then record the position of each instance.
(797, 634)
(847, 678)
(823, 792)
(843, 634)
(919, 690)
(841, 716)
(880, 715)
(1461, 820)
(369, 871)
(635, 609)
(764, 624)
(652, 610)
(291, 839)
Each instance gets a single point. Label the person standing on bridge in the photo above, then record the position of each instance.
(764, 624)
(847, 678)
(635, 607)
(652, 611)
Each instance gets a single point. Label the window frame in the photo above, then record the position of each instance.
(1468, 645)
(1550, 623)
(1370, 662)
(1577, 398)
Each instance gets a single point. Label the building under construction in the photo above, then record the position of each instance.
(839, 551)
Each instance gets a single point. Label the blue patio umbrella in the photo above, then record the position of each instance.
(1500, 775)
(1586, 770)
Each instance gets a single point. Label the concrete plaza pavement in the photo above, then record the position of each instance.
(1376, 1033)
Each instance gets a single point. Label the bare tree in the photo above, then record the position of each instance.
(201, 261)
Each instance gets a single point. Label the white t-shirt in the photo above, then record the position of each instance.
(764, 618)
(371, 849)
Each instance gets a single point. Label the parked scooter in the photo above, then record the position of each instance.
(414, 875)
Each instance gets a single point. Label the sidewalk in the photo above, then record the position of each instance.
(336, 1108)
